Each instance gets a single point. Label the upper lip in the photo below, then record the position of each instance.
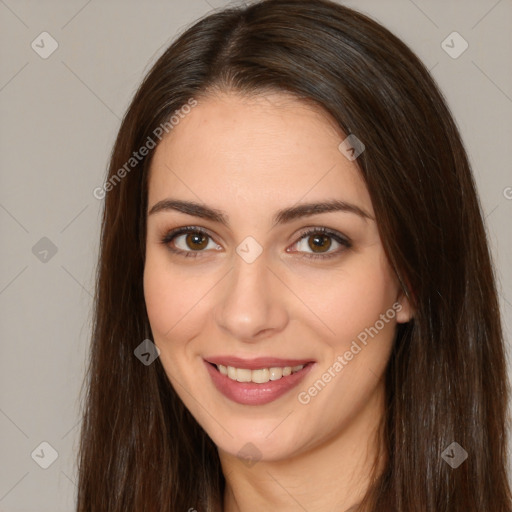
(257, 363)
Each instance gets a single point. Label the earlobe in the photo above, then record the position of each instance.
(404, 310)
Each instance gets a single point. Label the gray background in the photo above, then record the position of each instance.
(59, 117)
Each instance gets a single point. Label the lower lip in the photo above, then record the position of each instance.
(250, 393)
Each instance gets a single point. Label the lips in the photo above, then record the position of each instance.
(252, 393)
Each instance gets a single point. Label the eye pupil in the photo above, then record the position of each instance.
(319, 242)
(199, 240)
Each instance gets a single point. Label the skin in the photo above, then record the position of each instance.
(251, 157)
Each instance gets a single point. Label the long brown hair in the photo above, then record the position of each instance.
(141, 450)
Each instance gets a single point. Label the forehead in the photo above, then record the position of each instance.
(261, 152)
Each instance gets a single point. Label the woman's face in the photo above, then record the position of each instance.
(258, 290)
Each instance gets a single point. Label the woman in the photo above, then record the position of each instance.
(295, 303)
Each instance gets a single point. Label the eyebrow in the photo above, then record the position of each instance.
(283, 216)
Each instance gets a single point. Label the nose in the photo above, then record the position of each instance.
(252, 303)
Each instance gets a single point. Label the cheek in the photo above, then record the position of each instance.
(169, 303)
(358, 309)
(160, 304)
(355, 354)
(170, 297)
(352, 300)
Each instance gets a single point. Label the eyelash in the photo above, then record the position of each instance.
(169, 237)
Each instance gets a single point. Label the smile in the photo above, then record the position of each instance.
(258, 385)
(259, 376)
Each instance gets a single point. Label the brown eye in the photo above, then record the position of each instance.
(196, 241)
(319, 242)
(189, 241)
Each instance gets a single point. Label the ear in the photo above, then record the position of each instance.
(404, 309)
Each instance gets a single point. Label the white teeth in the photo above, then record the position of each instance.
(243, 375)
(276, 373)
(259, 376)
